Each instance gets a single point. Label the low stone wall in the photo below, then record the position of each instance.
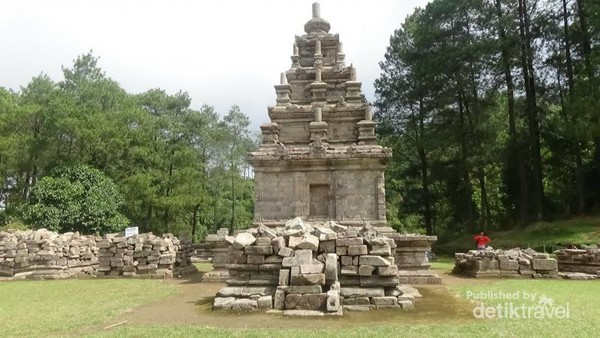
(579, 260)
(143, 255)
(316, 271)
(214, 249)
(514, 263)
(42, 254)
(412, 257)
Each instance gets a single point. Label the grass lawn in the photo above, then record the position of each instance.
(85, 307)
(204, 267)
(59, 307)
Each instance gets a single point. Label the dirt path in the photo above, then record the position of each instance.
(193, 305)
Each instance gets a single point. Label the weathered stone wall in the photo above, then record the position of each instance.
(579, 260)
(321, 269)
(215, 248)
(514, 263)
(42, 254)
(143, 255)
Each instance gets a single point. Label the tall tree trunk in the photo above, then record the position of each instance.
(427, 212)
(485, 206)
(531, 108)
(579, 175)
(195, 222)
(232, 224)
(464, 167)
(515, 149)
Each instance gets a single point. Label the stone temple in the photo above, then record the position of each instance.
(319, 158)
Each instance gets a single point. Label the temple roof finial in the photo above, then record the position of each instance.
(316, 10)
(316, 24)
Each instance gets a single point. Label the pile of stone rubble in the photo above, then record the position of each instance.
(513, 263)
(305, 270)
(42, 254)
(579, 263)
(143, 255)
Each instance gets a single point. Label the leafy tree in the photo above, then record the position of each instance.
(77, 198)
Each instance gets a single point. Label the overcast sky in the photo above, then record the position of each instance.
(222, 52)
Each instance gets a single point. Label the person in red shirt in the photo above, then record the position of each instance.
(482, 240)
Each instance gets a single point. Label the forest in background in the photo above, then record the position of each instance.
(175, 169)
(492, 109)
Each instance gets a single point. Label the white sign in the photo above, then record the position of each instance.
(131, 231)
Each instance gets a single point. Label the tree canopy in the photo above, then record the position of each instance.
(177, 169)
(492, 108)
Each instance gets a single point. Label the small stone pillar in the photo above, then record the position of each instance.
(353, 88)
(283, 91)
(318, 128)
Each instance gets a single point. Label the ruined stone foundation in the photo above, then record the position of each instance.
(322, 270)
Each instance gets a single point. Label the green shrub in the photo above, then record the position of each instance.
(78, 198)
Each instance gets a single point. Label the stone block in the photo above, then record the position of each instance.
(359, 308)
(544, 264)
(349, 280)
(242, 240)
(308, 279)
(308, 242)
(391, 270)
(278, 243)
(303, 256)
(311, 268)
(349, 270)
(302, 289)
(256, 259)
(269, 267)
(333, 300)
(406, 304)
(327, 246)
(259, 250)
(279, 300)
(273, 259)
(285, 252)
(384, 281)
(346, 260)
(244, 304)
(265, 302)
(381, 250)
(366, 270)
(312, 301)
(223, 303)
(288, 262)
(341, 250)
(509, 265)
(266, 231)
(291, 300)
(356, 250)
(262, 241)
(284, 277)
(385, 301)
(331, 268)
(374, 260)
(349, 241)
(361, 292)
(356, 301)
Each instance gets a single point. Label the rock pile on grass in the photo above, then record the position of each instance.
(143, 255)
(42, 254)
(513, 263)
(585, 261)
(305, 270)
